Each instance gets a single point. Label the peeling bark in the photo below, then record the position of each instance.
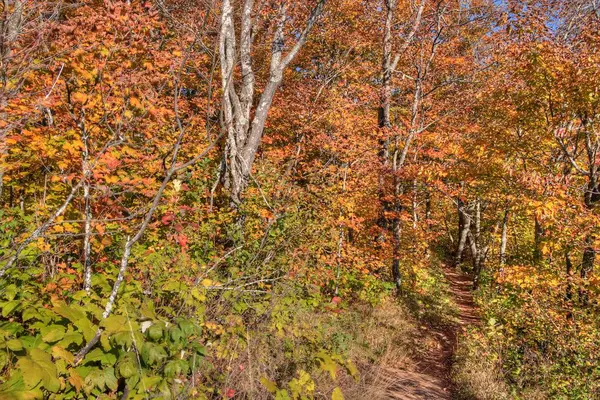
(244, 128)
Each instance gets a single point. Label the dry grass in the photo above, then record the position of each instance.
(386, 338)
(376, 339)
(476, 375)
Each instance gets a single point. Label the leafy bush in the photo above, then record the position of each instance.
(141, 348)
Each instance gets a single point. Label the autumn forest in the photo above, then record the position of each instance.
(300, 199)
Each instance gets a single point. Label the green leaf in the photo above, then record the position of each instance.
(147, 310)
(30, 342)
(153, 353)
(199, 349)
(175, 368)
(9, 307)
(187, 327)
(86, 327)
(3, 359)
(10, 291)
(95, 310)
(99, 355)
(38, 367)
(14, 389)
(110, 380)
(127, 366)
(155, 331)
(114, 323)
(71, 338)
(123, 339)
(175, 333)
(15, 345)
(30, 313)
(10, 328)
(149, 382)
(70, 312)
(94, 379)
(133, 381)
(104, 342)
(52, 333)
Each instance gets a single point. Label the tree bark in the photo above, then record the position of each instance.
(504, 239)
(243, 130)
(569, 271)
(464, 226)
(538, 236)
(415, 214)
(10, 28)
(87, 207)
(588, 259)
(428, 205)
(384, 119)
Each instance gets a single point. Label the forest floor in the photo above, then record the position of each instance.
(431, 377)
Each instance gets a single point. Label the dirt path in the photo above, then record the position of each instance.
(431, 379)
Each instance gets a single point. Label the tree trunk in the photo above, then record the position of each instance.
(464, 226)
(244, 129)
(587, 268)
(592, 195)
(415, 215)
(397, 233)
(538, 235)
(504, 239)
(427, 205)
(384, 119)
(569, 270)
(87, 207)
(11, 26)
(478, 252)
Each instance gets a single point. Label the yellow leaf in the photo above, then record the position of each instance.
(197, 295)
(337, 394)
(111, 179)
(59, 352)
(75, 380)
(207, 282)
(268, 384)
(79, 97)
(42, 245)
(177, 185)
(135, 102)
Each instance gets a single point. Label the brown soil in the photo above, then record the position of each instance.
(431, 378)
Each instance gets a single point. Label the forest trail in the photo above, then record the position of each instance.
(431, 378)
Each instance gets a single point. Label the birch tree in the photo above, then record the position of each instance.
(242, 120)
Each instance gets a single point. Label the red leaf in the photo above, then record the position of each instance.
(167, 218)
(182, 240)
